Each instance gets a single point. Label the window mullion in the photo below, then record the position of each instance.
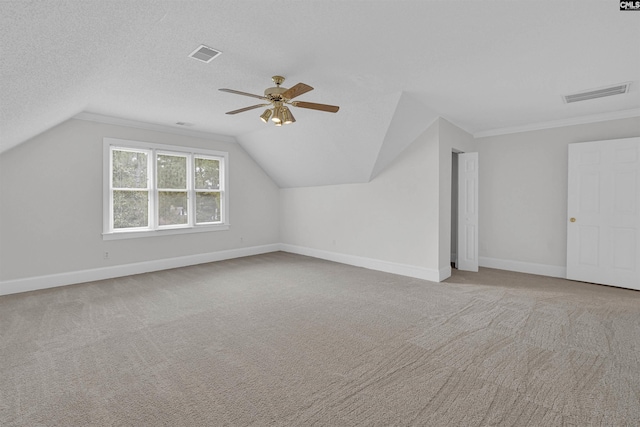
(111, 207)
(191, 196)
(152, 187)
(221, 188)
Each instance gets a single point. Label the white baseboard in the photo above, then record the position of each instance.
(370, 263)
(524, 267)
(444, 273)
(62, 279)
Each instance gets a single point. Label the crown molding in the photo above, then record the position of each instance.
(615, 115)
(93, 117)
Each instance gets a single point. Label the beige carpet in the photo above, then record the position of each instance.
(282, 339)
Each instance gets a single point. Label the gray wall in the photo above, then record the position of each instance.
(392, 218)
(523, 191)
(402, 216)
(51, 204)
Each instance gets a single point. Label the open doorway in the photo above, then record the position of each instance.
(454, 208)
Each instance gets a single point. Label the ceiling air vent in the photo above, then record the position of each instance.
(597, 93)
(204, 54)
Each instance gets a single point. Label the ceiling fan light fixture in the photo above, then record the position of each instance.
(265, 116)
(287, 116)
(277, 115)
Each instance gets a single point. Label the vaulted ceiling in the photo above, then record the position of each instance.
(391, 66)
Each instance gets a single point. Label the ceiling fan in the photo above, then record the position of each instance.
(278, 98)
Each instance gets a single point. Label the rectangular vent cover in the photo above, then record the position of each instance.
(597, 93)
(204, 54)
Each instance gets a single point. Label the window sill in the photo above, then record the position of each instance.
(118, 235)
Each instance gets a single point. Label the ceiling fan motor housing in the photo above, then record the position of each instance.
(275, 93)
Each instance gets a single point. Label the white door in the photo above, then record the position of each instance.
(468, 211)
(603, 231)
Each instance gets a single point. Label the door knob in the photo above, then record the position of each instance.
(572, 220)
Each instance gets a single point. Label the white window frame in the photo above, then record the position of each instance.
(154, 229)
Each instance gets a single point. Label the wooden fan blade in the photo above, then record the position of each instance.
(296, 90)
(246, 109)
(314, 106)
(237, 92)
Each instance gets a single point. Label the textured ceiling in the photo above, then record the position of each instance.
(390, 65)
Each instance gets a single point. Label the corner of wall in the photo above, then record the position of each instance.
(410, 119)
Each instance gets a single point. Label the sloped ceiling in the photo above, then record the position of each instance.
(392, 67)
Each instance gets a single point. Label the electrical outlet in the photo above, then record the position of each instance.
(106, 255)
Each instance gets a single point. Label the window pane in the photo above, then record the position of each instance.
(129, 169)
(172, 172)
(172, 207)
(207, 207)
(207, 174)
(130, 209)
